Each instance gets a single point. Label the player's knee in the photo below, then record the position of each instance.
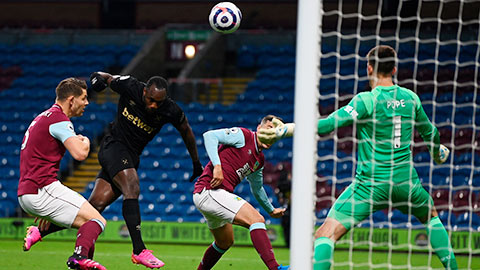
(257, 219)
(98, 203)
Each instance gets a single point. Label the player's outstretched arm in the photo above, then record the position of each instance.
(100, 80)
(430, 134)
(279, 131)
(189, 139)
(256, 186)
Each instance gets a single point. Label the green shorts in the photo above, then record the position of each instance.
(360, 200)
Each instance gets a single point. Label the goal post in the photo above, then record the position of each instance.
(304, 142)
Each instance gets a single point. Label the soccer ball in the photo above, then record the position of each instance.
(225, 17)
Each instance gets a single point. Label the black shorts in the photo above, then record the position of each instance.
(114, 157)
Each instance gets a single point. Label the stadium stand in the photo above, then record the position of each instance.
(30, 72)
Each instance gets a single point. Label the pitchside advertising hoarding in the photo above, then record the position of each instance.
(198, 233)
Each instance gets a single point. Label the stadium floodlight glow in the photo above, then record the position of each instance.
(190, 51)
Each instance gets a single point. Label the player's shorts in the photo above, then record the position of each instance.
(114, 157)
(360, 200)
(218, 206)
(55, 202)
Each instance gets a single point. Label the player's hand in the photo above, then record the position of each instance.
(443, 154)
(278, 212)
(217, 176)
(98, 82)
(197, 170)
(43, 224)
(83, 138)
(279, 130)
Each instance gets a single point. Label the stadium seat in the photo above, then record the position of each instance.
(462, 201)
(448, 219)
(441, 198)
(467, 221)
(398, 219)
(461, 177)
(7, 208)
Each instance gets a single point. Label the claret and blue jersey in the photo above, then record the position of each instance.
(237, 151)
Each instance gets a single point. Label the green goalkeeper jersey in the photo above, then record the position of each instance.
(384, 118)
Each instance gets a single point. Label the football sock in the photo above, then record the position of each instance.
(91, 252)
(441, 243)
(211, 257)
(87, 235)
(262, 244)
(131, 214)
(323, 252)
(51, 229)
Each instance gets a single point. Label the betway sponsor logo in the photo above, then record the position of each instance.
(137, 121)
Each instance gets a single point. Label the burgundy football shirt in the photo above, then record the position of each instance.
(237, 163)
(41, 152)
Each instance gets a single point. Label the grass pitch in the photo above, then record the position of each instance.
(116, 256)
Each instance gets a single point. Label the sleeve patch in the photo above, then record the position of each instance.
(350, 110)
(229, 131)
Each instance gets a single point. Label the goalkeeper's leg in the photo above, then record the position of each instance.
(440, 240)
(325, 238)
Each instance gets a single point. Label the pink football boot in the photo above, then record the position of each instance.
(146, 258)
(79, 263)
(32, 237)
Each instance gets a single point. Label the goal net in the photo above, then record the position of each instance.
(437, 43)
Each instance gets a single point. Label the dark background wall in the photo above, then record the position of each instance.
(130, 14)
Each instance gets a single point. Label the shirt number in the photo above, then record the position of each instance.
(27, 134)
(397, 123)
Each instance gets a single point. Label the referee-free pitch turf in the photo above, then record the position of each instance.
(116, 256)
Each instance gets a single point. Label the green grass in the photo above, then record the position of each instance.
(116, 256)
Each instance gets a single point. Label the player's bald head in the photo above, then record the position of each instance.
(158, 83)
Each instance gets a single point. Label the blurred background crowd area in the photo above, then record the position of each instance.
(231, 80)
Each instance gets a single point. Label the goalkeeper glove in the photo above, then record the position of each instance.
(98, 82)
(442, 155)
(279, 131)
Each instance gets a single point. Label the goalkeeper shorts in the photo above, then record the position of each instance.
(361, 199)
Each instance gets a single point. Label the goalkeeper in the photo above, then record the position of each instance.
(385, 119)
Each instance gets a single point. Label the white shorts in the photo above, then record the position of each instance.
(218, 206)
(55, 202)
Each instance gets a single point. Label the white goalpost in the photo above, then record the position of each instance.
(304, 140)
(438, 47)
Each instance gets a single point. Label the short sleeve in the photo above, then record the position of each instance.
(125, 84)
(177, 114)
(62, 130)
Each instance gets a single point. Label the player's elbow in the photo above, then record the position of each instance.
(207, 134)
